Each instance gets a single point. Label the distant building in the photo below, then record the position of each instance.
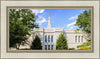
(50, 35)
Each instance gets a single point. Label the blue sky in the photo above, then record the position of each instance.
(65, 18)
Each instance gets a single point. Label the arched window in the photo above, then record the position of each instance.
(45, 38)
(49, 38)
(75, 38)
(78, 38)
(81, 38)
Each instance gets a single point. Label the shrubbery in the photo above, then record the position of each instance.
(71, 49)
(24, 49)
(85, 48)
(84, 44)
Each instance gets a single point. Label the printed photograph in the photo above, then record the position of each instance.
(50, 29)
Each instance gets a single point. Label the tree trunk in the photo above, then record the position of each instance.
(17, 46)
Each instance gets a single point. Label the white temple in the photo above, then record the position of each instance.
(50, 35)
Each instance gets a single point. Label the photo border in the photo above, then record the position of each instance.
(51, 51)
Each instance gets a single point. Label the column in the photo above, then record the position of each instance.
(80, 39)
(47, 42)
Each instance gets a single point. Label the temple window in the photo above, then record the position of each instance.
(45, 38)
(51, 47)
(49, 38)
(48, 47)
(45, 47)
(75, 38)
(81, 38)
(78, 38)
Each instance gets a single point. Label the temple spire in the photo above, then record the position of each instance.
(49, 25)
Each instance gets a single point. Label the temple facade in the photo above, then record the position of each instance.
(50, 35)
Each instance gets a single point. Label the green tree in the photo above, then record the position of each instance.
(61, 43)
(36, 44)
(84, 21)
(21, 22)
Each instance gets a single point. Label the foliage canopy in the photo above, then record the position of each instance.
(21, 22)
(84, 21)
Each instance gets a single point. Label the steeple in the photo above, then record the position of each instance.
(49, 25)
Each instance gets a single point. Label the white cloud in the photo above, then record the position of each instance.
(41, 20)
(74, 17)
(71, 24)
(41, 11)
(36, 11)
(72, 27)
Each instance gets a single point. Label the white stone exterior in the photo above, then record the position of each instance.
(73, 38)
(70, 35)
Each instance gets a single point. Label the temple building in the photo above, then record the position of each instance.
(50, 35)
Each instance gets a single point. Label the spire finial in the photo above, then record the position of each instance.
(49, 13)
